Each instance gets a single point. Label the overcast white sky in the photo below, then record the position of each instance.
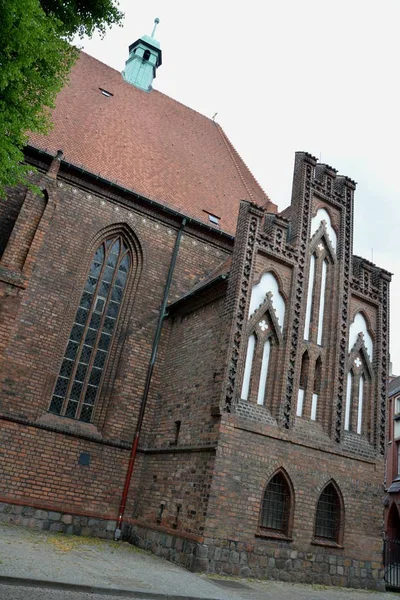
(285, 75)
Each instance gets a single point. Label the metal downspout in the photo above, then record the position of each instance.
(156, 341)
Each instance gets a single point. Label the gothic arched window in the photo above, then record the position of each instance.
(328, 515)
(85, 357)
(277, 505)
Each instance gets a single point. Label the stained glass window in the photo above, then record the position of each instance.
(81, 373)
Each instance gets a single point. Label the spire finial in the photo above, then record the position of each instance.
(156, 22)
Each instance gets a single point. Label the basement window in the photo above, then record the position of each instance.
(106, 93)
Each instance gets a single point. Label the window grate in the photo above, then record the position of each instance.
(276, 505)
(81, 372)
(328, 514)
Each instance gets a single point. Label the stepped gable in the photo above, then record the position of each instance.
(150, 144)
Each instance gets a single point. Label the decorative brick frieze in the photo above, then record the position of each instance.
(301, 205)
(383, 357)
(345, 247)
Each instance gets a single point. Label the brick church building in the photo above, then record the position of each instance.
(153, 267)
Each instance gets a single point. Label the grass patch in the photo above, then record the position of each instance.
(68, 543)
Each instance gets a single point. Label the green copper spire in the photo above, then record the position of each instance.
(144, 58)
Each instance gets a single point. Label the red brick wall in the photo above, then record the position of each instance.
(36, 323)
(247, 457)
(41, 468)
(177, 477)
(9, 210)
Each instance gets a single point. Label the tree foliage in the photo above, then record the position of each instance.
(36, 57)
(83, 17)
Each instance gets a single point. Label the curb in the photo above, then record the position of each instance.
(91, 589)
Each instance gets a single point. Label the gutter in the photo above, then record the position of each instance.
(120, 188)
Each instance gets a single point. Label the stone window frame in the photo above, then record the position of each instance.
(286, 532)
(337, 540)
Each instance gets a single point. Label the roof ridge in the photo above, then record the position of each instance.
(98, 60)
(232, 152)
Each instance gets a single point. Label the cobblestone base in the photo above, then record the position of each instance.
(261, 561)
(43, 520)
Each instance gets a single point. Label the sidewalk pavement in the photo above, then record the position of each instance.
(59, 561)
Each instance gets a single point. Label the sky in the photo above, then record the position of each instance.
(285, 76)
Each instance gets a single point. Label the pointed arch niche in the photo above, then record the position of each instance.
(359, 417)
(320, 277)
(112, 276)
(359, 406)
(305, 367)
(309, 387)
(316, 388)
(264, 335)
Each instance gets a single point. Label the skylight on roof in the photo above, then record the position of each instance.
(212, 218)
(106, 93)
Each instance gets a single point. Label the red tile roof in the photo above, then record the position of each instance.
(151, 144)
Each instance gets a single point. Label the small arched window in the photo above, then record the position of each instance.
(328, 516)
(85, 357)
(277, 505)
(146, 55)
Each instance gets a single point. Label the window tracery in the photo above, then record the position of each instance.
(81, 373)
(266, 317)
(357, 396)
(359, 378)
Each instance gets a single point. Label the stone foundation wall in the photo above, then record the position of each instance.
(225, 557)
(261, 561)
(47, 520)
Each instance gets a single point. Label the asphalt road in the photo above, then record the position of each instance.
(122, 571)
(12, 592)
(234, 591)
